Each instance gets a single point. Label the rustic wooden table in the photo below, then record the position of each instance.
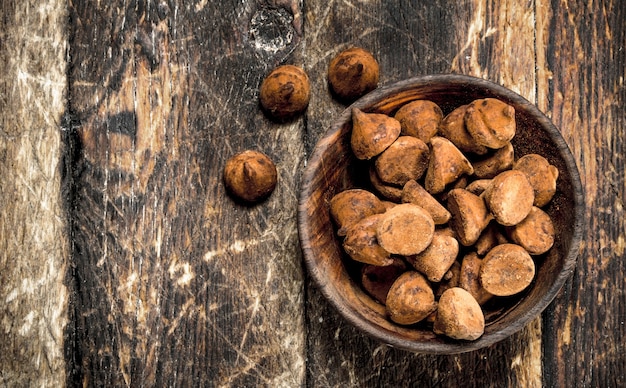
(124, 263)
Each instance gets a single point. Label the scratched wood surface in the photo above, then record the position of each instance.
(409, 40)
(123, 261)
(33, 222)
(174, 283)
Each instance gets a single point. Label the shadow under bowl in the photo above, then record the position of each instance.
(333, 168)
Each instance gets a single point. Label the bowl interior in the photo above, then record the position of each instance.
(332, 168)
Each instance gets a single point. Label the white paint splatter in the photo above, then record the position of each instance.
(236, 247)
(187, 275)
(517, 360)
(28, 323)
(182, 272)
(200, 5)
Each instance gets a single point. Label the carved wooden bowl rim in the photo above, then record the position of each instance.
(332, 168)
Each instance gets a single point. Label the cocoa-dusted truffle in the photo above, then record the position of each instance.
(285, 92)
(372, 133)
(250, 176)
(353, 73)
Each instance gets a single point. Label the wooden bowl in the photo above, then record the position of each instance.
(333, 168)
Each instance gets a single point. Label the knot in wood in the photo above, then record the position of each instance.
(271, 29)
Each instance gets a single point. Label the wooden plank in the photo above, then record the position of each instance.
(586, 56)
(480, 38)
(174, 284)
(33, 238)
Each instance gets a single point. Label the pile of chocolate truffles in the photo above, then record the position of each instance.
(452, 218)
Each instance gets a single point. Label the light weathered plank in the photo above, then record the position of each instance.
(33, 233)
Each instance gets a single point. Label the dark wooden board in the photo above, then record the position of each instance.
(174, 283)
(138, 104)
(412, 39)
(560, 57)
(585, 328)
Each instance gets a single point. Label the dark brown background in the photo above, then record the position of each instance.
(123, 261)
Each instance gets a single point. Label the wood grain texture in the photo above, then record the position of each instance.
(586, 55)
(174, 284)
(33, 234)
(480, 38)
